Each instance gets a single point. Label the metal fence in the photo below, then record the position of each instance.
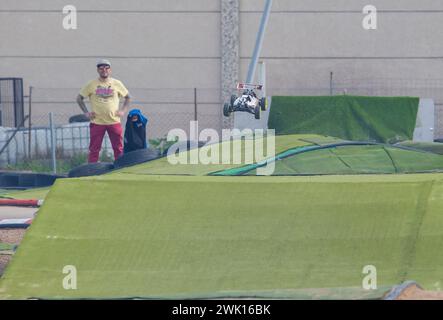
(25, 145)
(175, 108)
(165, 108)
(423, 88)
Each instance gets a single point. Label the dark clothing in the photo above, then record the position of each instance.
(135, 132)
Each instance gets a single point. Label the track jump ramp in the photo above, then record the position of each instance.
(153, 236)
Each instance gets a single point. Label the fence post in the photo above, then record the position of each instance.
(53, 142)
(30, 124)
(195, 105)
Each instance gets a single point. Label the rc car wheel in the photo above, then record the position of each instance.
(263, 103)
(257, 112)
(226, 110)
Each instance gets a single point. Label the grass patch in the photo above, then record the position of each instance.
(43, 164)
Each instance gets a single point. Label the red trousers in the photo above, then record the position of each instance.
(97, 132)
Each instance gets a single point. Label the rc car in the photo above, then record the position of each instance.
(247, 102)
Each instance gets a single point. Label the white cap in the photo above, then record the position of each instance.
(103, 62)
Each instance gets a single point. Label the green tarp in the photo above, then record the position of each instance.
(162, 166)
(379, 119)
(176, 236)
(434, 147)
(161, 231)
(346, 159)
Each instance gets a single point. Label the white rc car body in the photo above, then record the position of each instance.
(248, 101)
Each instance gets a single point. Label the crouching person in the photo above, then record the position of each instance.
(135, 131)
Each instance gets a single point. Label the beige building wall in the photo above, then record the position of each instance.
(163, 49)
(307, 40)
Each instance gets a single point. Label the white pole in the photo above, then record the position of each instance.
(259, 41)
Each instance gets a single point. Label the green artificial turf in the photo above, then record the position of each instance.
(163, 166)
(178, 236)
(36, 193)
(159, 231)
(434, 147)
(379, 119)
(346, 159)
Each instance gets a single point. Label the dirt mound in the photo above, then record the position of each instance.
(413, 292)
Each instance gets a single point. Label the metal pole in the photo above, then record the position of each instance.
(30, 124)
(330, 83)
(259, 41)
(51, 125)
(262, 76)
(15, 103)
(195, 104)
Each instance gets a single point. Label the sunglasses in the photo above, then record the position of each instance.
(104, 67)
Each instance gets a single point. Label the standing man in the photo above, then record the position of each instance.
(104, 96)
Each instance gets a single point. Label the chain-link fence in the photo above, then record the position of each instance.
(167, 109)
(26, 144)
(422, 88)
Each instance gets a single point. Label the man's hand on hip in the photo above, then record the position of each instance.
(90, 115)
(120, 113)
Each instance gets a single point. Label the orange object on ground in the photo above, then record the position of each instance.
(21, 202)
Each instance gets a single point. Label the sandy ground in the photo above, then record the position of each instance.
(13, 236)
